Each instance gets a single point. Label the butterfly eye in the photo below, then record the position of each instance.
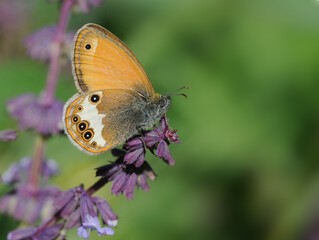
(82, 126)
(75, 119)
(88, 46)
(79, 108)
(88, 135)
(162, 103)
(95, 98)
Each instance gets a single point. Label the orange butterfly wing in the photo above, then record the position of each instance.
(102, 61)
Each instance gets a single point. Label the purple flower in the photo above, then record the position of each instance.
(14, 16)
(159, 138)
(93, 223)
(8, 12)
(46, 233)
(40, 44)
(68, 203)
(87, 206)
(86, 5)
(126, 177)
(23, 233)
(26, 203)
(80, 209)
(33, 114)
(18, 172)
(105, 211)
(136, 151)
(8, 135)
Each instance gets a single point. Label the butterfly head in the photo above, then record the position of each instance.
(161, 103)
(164, 102)
(156, 108)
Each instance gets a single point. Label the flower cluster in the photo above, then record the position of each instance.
(47, 233)
(131, 169)
(8, 135)
(126, 176)
(86, 5)
(32, 113)
(76, 207)
(83, 5)
(80, 209)
(156, 140)
(18, 172)
(72, 208)
(160, 138)
(24, 202)
(40, 43)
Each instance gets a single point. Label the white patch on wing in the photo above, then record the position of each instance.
(91, 114)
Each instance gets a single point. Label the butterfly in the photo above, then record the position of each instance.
(115, 98)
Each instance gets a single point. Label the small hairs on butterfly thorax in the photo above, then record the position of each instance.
(155, 109)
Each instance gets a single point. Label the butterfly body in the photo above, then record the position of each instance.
(115, 99)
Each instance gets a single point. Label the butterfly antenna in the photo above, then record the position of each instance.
(184, 87)
(180, 94)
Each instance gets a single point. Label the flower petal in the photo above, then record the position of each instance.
(105, 231)
(119, 183)
(74, 219)
(83, 232)
(33, 114)
(134, 156)
(151, 138)
(64, 198)
(87, 207)
(169, 159)
(162, 149)
(163, 124)
(91, 222)
(172, 136)
(134, 143)
(8, 135)
(22, 233)
(49, 233)
(12, 174)
(130, 186)
(69, 208)
(40, 43)
(109, 170)
(108, 216)
(142, 183)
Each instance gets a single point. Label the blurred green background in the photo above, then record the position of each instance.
(248, 167)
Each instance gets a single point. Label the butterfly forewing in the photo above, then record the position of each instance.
(99, 120)
(102, 61)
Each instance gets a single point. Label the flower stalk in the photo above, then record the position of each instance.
(54, 67)
(37, 163)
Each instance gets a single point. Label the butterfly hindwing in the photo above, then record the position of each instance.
(102, 61)
(99, 120)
